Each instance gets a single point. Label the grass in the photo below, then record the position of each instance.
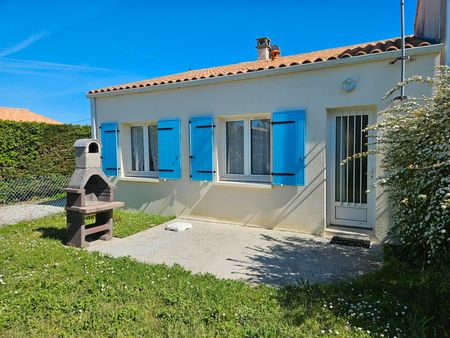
(47, 289)
(128, 222)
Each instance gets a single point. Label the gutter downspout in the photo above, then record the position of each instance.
(93, 118)
(403, 56)
(446, 42)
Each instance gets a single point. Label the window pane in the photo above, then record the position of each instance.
(260, 147)
(235, 147)
(137, 148)
(153, 147)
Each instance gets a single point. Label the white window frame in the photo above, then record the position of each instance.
(247, 176)
(146, 172)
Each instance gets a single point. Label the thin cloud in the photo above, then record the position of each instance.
(34, 67)
(23, 44)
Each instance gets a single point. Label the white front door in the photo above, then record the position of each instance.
(349, 202)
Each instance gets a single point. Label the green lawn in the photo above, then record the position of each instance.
(47, 289)
(128, 222)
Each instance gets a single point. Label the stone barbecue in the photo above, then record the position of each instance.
(89, 193)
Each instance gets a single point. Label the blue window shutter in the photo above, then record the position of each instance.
(169, 149)
(288, 165)
(201, 148)
(110, 141)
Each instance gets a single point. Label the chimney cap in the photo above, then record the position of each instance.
(263, 42)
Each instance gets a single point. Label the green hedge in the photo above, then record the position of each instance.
(32, 148)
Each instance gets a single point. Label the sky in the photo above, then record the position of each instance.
(53, 52)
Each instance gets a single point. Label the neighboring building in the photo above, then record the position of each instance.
(259, 142)
(432, 24)
(23, 115)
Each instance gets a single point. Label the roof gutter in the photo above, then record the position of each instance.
(93, 117)
(437, 48)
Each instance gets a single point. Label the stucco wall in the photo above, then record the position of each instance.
(317, 91)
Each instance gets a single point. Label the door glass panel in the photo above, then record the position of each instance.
(337, 164)
(351, 152)
(358, 139)
(344, 155)
(235, 147)
(137, 148)
(260, 133)
(351, 178)
(365, 122)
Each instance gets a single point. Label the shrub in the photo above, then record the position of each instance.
(32, 148)
(414, 139)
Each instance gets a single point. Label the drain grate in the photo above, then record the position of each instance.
(350, 241)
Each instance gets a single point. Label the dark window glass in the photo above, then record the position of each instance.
(337, 170)
(235, 147)
(137, 148)
(153, 147)
(260, 147)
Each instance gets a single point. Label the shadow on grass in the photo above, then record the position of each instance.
(57, 234)
(290, 259)
(396, 300)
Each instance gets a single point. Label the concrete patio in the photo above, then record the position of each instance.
(244, 253)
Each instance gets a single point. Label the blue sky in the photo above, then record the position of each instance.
(53, 52)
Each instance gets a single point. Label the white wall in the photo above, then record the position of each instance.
(317, 91)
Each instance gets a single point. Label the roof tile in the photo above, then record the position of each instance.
(285, 61)
(24, 115)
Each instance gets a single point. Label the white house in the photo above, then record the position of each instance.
(260, 142)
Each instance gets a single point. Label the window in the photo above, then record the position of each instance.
(246, 149)
(143, 150)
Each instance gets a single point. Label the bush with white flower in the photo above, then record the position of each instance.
(414, 139)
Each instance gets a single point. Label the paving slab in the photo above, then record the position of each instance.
(250, 254)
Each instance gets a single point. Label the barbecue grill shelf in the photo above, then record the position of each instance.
(96, 207)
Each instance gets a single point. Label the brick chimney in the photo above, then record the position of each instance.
(263, 47)
(274, 52)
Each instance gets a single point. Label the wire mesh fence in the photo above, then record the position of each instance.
(34, 189)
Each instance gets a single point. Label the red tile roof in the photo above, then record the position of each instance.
(23, 115)
(284, 61)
